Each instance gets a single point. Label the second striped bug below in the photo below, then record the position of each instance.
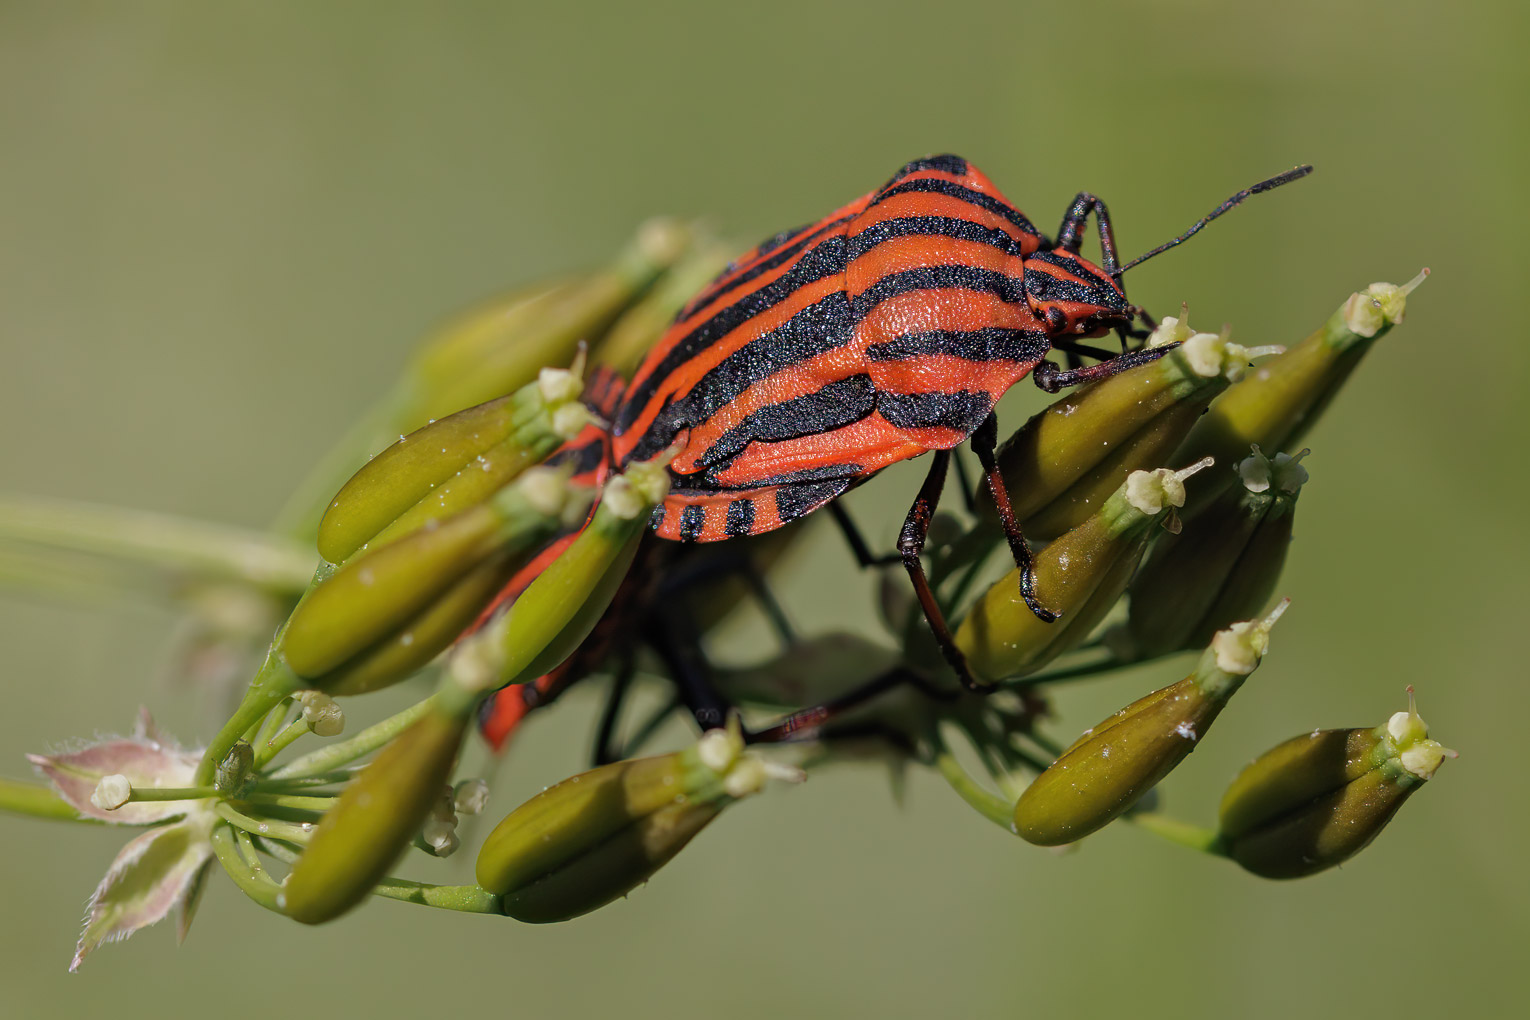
(887, 330)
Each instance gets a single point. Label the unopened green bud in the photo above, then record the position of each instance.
(1064, 462)
(557, 611)
(112, 792)
(502, 345)
(1274, 406)
(1318, 799)
(633, 335)
(359, 839)
(1112, 766)
(452, 464)
(1079, 576)
(596, 836)
(400, 604)
(1222, 566)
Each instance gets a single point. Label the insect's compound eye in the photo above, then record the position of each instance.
(1056, 320)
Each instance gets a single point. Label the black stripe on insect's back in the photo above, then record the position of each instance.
(1046, 287)
(1007, 288)
(701, 481)
(776, 259)
(962, 410)
(793, 501)
(946, 163)
(991, 344)
(692, 519)
(930, 226)
(814, 330)
(840, 403)
(951, 189)
(824, 260)
(740, 517)
(585, 457)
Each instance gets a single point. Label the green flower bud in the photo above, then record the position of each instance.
(359, 840)
(557, 611)
(1318, 799)
(633, 335)
(596, 836)
(1080, 576)
(1064, 462)
(452, 464)
(1112, 766)
(395, 607)
(502, 345)
(1223, 566)
(1274, 406)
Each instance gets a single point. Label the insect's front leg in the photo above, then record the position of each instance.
(1070, 233)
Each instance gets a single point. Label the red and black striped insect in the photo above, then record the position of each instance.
(884, 331)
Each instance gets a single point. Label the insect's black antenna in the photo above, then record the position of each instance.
(1295, 173)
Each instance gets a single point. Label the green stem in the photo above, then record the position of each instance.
(985, 802)
(38, 801)
(292, 832)
(1207, 841)
(157, 793)
(469, 898)
(368, 740)
(163, 541)
(334, 778)
(279, 742)
(273, 683)
(269, 729)
(296, 802)
(251, 880)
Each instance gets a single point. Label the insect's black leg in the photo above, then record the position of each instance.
(858, 546)
(984, 441)
(676, 642)
(916, 528)
(806, 722)
(969, 493)
(1053, 379)
(755, 578)
(1070, 234)
(604, 751)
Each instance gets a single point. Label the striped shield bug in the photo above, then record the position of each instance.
(887, 330)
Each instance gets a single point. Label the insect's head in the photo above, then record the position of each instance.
(1073, 296)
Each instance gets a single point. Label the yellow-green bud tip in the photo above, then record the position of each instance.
(1172, 330)
(570, 419)
(1240, 647)
(1284, 472)
(1152, 491)
(640, 486)
(1379, 305)
(1418, 754)
(476, 663)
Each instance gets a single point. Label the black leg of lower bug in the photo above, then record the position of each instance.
(858, 547)
(984, 442)
(676, 642)
(805, 723)
(605, 750)
(1053, 379)
(916, 528)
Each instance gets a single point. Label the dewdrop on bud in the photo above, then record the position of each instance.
(470, 797)
(1379, 305)
(323, 716)
(112, 792)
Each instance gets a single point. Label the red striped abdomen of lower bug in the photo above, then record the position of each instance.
(887, 329)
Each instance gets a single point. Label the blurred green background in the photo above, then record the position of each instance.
(223, 225)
